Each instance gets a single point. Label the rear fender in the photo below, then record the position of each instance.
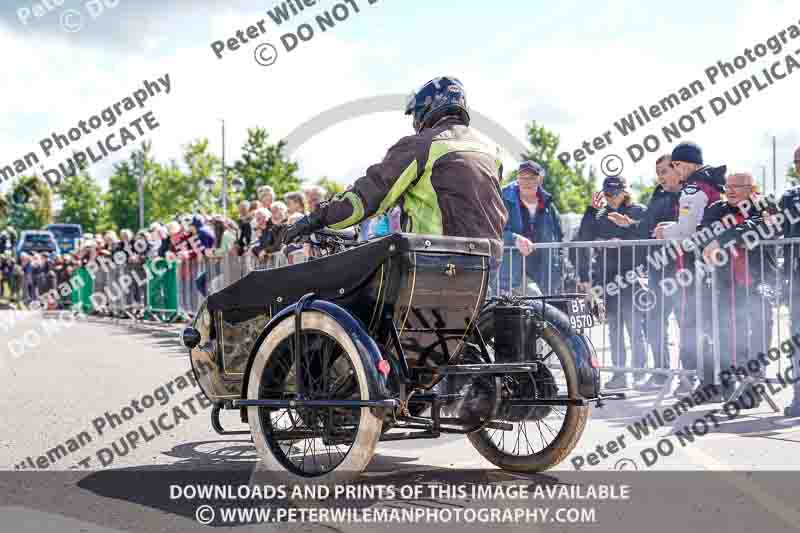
(368, 350)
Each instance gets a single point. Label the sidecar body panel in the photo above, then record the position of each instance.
(430, 288)
(439, 297)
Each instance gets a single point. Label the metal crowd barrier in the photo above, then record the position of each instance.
(670, 317)
(102, 280)
(161, 291)
(172, 289)
(188, 293)
(677, 303)
(753, 312)
(558, 267)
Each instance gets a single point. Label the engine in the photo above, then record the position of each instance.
(517, 329)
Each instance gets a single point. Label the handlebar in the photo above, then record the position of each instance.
(344, 234)
(329, 241)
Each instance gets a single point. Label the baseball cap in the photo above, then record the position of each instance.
(614, 184)
(532, 166)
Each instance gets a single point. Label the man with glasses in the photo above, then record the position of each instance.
(532, 218)
(790, 206)
(702, 185)
(744, 314)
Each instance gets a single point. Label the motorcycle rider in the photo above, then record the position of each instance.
(445, 178)
(702, 186)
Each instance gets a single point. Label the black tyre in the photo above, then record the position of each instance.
(542, 436)
(324, 445)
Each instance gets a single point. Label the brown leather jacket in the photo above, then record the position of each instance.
(445, 178)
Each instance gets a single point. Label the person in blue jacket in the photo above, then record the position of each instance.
(532, 218)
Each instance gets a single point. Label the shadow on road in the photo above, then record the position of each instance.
(231, 454)
(639, 413)
(158, 487)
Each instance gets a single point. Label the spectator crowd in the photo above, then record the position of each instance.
(256, 236)
(711, 219)
(690, 198)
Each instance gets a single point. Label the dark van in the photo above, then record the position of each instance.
(67, 236)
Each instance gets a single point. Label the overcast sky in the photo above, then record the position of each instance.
(575, 66)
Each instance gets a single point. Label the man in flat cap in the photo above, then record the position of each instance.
(532, 218)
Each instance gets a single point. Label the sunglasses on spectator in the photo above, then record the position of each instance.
(747, 186)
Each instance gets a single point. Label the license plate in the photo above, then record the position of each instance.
(580, 314)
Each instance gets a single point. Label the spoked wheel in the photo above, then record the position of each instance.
(543, 436)
(326, 444)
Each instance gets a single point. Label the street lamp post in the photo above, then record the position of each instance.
(224, 175)
(236, 183)
(139, 159)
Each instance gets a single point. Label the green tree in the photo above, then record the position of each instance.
(180, 192)
(263, 163)
(642, 192)
(81, 202)
(792, 175)
(30, 202)
(582, 189)
(123, 193)
(332, 186)
(571, 191)
(5, 208)
(204, 168)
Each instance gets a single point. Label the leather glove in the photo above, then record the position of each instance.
(305, 226)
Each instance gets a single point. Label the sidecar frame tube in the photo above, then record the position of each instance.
(291, 404)
(500, 369)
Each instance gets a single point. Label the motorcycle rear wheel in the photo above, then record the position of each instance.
(490, 443)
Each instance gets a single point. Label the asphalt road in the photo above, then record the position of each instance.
(70, 386)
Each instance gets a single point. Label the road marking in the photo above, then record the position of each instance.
(719, 435)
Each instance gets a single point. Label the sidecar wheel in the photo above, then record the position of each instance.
(326, 445)
(519, 450)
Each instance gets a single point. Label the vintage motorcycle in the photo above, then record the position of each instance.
(394, 339)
